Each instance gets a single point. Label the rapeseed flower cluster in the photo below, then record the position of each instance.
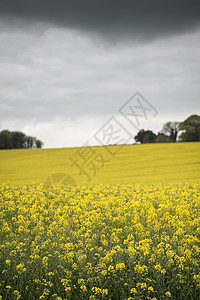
(100, 242)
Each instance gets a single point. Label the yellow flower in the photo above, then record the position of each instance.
(143, 285)
(83, 288)
(7, 261)
(151, 289)
(133, 291)
(104, 272)
(120, 266)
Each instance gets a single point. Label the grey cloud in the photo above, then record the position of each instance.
(79, 78)
(113, 19)
(56, 80)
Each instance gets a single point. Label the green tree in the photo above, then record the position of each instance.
(30, 142)
(18, 140)
(145, 136)
(39, 144)
(162, 138)
(190, 129)
(171, 129)
(6, 139)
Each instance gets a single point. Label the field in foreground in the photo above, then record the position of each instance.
(130, 164)
(100, 242)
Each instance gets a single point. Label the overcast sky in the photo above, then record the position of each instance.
(67, 67)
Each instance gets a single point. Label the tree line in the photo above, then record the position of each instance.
(18, 140)
(189, 132)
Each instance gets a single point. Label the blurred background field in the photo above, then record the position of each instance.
(128, 164)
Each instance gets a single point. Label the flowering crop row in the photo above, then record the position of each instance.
(100, 242)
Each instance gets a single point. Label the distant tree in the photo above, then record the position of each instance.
(140, 136)
(18, 140)
(162, 138)
(6, 139)
(149, 137)
(145, 136)
(30, 142)
(171, 129)
(39, 144)
(190, 129)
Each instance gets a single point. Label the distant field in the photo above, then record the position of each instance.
(130, 164)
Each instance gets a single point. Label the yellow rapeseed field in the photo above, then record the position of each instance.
(128, 229)
(130, 164)
(100, 242)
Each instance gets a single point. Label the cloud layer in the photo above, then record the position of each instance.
(68, 66)
(114, 19)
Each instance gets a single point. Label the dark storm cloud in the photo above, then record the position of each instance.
(141, 19)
